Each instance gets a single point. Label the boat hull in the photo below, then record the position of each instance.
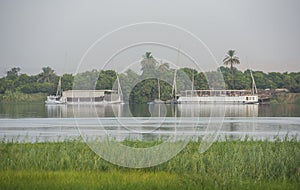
(95, 103)
(54, 100)
(219, 99)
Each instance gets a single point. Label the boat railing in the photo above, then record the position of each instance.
(208, 93)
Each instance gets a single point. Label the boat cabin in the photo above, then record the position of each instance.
(89, 96)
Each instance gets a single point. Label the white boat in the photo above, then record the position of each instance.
(53, 99)
(86, 96)
(220, 96)
(56, 99)
(97, 97)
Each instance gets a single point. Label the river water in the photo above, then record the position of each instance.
(39, 122)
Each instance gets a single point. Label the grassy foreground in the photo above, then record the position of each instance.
(226, 165)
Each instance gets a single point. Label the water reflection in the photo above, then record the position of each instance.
(152, 110)
(45, 129)
(240, 120)
(34, 110)
(67, 111)
(218, 110)
(257, 121)
(21, 110)
(279, 110)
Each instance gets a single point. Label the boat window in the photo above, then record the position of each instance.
(84, 99)
(70, 99)
(247, 98)
(99, 99)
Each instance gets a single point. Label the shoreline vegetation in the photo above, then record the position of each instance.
(239, 164)
(19, 97)
(17, 86)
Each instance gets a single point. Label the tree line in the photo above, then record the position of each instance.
(142, 88)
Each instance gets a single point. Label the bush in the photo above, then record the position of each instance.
(37, 87)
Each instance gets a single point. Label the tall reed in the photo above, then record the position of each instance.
(225, 163)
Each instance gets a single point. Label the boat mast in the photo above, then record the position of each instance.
(58, 90)
(174, 87)
(158, 88)
(193, 81)
(254, 89)
(119, 86)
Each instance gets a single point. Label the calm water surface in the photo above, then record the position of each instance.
(64, 111)
(39, 122)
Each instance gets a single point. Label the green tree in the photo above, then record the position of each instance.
(242, 81)
(227, 76)
(2, 85)
(67, 82)
(47, 75)
(11, 78)
(296, 85)
(190, 73)
(128, 81)
(215, 80)
(148, 64)
(260, 79)
(10, 85)
(24, 79)
(13, 73)
(231, 59)
(201, 81)
(106, 79)
(276, 79)
(288, 81)
(86, 80)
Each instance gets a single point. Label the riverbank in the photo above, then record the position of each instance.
(19, 97)
(286, 98)
(237, 164)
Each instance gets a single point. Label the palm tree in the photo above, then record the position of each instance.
(13, 73)
(47, 75)
(231, 59)
(148, 62)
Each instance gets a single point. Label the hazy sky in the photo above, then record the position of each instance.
(56, 33)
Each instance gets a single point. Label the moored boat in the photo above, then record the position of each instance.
(221, 96)
(91, 97)
(56, 99)
(86, 96)
(218, 96)
(97, 97)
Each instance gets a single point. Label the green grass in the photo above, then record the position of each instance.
(226, 165)
(125, 180)
(89, 180)
(9, 97)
